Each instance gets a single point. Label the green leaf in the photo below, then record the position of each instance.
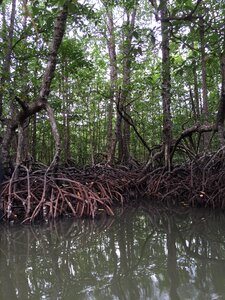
(35, 10)
(72, 7)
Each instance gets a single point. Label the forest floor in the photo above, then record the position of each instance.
(39, 194)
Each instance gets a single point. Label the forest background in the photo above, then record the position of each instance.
(106, 101)
(134, 80)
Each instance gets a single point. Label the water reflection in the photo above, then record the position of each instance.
(149, 253)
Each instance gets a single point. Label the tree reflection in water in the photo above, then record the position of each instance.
(145, 253)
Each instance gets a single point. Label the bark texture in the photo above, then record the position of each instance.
(221, 109)
(124, 153)
(166, 85)
(111, 137)
(7, 60)
(205, 110)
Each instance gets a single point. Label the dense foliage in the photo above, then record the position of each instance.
(134, 80)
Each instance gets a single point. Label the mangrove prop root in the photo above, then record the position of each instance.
(37, 195)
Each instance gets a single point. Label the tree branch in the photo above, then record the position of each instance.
(189, 131)
(185, 17)
(127, 118)
(41, 101)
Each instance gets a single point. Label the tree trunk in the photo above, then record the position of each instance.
(205, 110)
(41, 102)
(7, 59)
(25, 90)
(196, 93)
(221, 109)
(56, 136)
(65, 108)
(111, 138)
(166, 85)
(34, 138)
(125, 92)
(119, 96)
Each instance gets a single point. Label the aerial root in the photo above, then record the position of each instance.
(40, 195)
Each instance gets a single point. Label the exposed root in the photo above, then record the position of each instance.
(199, 183)
(43, 195)
(40, 195)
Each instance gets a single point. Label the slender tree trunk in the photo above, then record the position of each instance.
(119, 96)
(3, 32)
(34, 138)
(25, 90)
(204, 72)
(124, 144)
(68, 133)
(166, 85)
(196, 92)
(111, 137)
(221, 109)
(56, 135)
(67, 130)
(8, 38)
(7, 57)
(193, 104)
(66, 137)
(205, 110)
(119, 123)
(126, 138)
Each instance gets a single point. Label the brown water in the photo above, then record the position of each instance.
(142, 254)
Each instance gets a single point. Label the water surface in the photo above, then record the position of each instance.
(145, 253)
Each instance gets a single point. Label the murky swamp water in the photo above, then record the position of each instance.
(145, 253)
